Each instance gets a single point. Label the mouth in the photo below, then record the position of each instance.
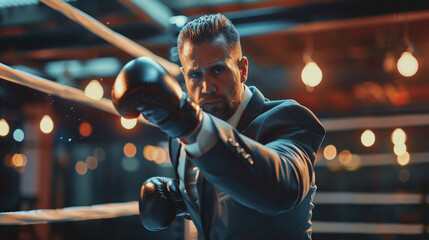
(211, 103)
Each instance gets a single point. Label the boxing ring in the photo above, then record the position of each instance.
(114, 210)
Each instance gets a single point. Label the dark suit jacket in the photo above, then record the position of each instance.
(257, 182)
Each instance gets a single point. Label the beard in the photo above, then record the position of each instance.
(225, 108)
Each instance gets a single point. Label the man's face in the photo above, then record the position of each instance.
(214, 75)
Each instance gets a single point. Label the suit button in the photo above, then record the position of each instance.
(247, 157)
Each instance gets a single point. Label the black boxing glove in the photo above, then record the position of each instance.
(160, 202)
(144, 86)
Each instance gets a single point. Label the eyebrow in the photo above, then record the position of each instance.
(216, 64)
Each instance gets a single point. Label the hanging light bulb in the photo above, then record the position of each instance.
(368, 138)
(311, 74)
(407, 64)
(94, 90)
(46, 124)
(128, 123)
(4, 127)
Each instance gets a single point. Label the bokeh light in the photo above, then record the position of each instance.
(85, 129)
(354, 164)
(345, 157)
(130, 150)
(407, 64)
(46, 124)
(81, 168)
(330, 152)
(19, 160)
(367, 138)
(8, 160)
(398, 136)
(311, 74)
(4, 128)
(400, 149)
(128, 123)
(91, 162)
(403, 159)
(94, 90)
(18, 135)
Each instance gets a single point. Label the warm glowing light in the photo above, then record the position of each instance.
(18, 135)
(150, 152)
(100, 154)
(403, 159)
(399, 136)
(4, 128)
(311, 74)
(91, 162)
(19, 160)
(367, 138)
(130, 150)
(94, 90)
(330, 152)
(355, 163)
(407, 64)
(128, 123)
(400, 149)
(345, 157)
(130, 164)
(8, 160)
(162, 155)
(46, 124)
(81, 168)
(85, 129)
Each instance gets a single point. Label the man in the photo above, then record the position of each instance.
(244, 165)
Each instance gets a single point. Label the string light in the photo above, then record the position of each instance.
(91, 162)
(94, 90)
(368, 138)
(330, 152)
(128, 123)
(46, 124)
(85, 129)
(18, 135)
(130, 150)
(4, 128)
(407, 64)
(311, 74)
(345, 157)
(403, 159)
(400, 149)
(398, 136)
(81, 168)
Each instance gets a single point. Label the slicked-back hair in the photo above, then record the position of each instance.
(207, 28)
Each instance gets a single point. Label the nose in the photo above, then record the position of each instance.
(207, 86)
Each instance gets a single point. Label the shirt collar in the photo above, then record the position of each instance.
(245, 98)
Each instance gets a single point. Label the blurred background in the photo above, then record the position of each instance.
(361, 66)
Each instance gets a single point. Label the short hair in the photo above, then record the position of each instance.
(207, 28)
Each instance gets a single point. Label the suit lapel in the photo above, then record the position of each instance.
(254, 109)
(206, 189)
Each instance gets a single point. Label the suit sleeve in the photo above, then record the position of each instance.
(273, 174)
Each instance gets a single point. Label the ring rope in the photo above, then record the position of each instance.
(109, 35)
(101, 211)
(56, 89)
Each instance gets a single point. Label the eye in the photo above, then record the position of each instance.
(194, 75)
(218, 70)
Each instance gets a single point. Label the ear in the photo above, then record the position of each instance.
(243, 66)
